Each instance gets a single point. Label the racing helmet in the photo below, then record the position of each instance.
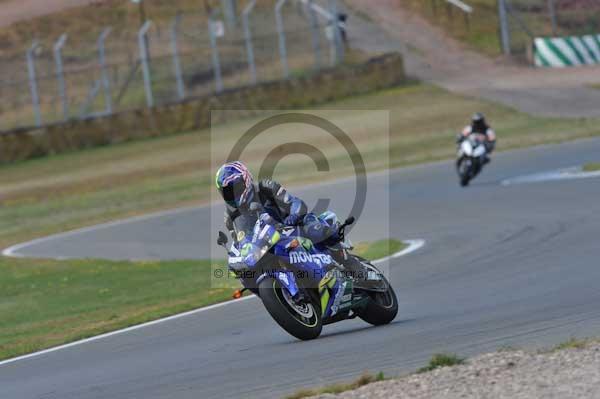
(235, 183)
(478, 121)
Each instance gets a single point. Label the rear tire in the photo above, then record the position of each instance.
(303, 322)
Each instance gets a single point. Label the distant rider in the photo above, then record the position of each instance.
(236, 185)
(480, 127)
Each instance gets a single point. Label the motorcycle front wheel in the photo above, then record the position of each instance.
(302, 320)
(464, 171)
(382, 307)
(464, 181)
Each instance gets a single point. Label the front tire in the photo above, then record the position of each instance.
(303, 321)
(382, 307)
(464, 171)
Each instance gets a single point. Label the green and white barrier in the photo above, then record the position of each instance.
(560, 52)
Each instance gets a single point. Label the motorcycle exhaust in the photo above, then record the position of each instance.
(237, 294)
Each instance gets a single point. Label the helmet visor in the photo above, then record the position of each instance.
(232, 193)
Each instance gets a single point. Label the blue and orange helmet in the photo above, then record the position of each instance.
(235, 183)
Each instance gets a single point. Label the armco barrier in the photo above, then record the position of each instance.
(193, 114)
(560, 52)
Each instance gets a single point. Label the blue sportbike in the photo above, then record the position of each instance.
(300, 284)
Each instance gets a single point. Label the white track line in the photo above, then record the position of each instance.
(413, 246)
(12, 250)
(574, 173)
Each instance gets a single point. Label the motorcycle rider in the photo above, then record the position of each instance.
(480, 127)
(236, 185)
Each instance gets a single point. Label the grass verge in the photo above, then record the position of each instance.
(45, 303)
(379, 249)
(364, 379)
(441, 360)
(571, 343)
(591, 167)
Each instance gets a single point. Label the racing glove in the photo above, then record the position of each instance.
(292, 220)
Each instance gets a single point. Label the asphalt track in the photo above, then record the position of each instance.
(507, 265)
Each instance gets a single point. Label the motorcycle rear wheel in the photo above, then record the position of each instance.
(302, 321)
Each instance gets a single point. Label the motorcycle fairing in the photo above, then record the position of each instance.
(472, 148)
(335, 291)
(252, 248)
(336, 294)
(285, 278)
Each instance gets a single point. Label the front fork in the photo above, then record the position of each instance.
(328, 287)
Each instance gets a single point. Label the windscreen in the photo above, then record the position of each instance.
(244, 225)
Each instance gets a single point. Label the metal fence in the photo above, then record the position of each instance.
(520, 21)
(241, 43)
(509, 26)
